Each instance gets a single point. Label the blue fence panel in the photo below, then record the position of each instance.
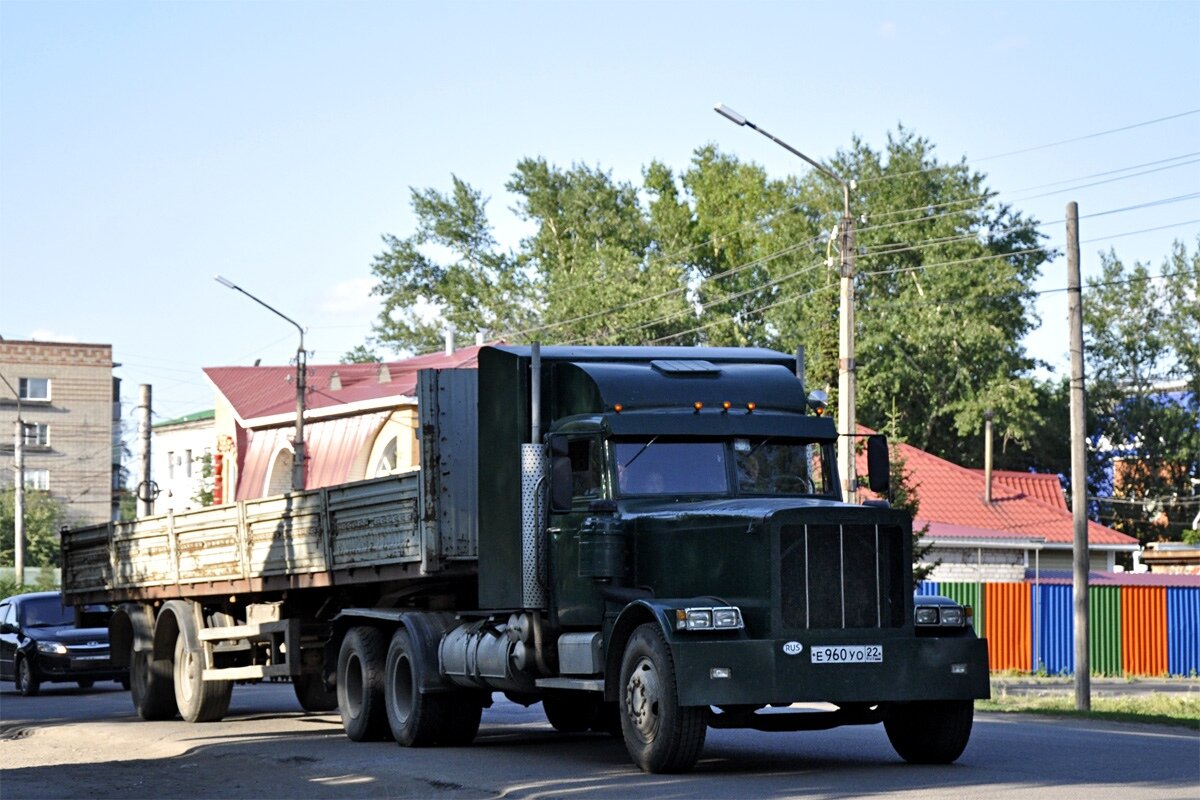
(1054, 628)
(1183, 631)
(926, 588)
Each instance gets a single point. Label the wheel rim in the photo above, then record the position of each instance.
(643, 694)
(185, 672)
(402, 689)
(354, 685)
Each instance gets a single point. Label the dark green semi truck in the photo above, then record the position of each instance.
(649, 541)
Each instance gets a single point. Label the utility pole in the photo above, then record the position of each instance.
(18, 490)
(1083, 695)
(847, 425)
(145, 492)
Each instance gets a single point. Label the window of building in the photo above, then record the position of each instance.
(37, 434)
(187, 463)
(34, 388)
(37, 479)
(170, 464)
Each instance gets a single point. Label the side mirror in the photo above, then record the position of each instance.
(561, 488)
(878, 465)
(8, 627)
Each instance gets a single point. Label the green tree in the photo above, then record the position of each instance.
(204, 482)
(361, 354)
(44, 515)
(1140, 342)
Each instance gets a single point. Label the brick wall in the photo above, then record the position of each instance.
(79, 416)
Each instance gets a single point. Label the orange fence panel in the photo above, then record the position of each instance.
(1144, 630)
(1007, 623)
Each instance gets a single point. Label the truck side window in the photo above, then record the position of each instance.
(585, 468)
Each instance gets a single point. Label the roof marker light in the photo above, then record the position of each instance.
(697, 405)
(726, 406)
(750, 407)
(618, 408)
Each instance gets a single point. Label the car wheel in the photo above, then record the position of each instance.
(27, 684)
(571, 712)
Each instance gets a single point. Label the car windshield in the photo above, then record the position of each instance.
(760, 466)
(46, 612)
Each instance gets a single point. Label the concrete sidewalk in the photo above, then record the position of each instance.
(1107, 687)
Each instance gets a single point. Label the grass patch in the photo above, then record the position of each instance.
(1161, 709)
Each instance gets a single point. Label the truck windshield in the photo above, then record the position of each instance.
(656, 467)
(763, 466)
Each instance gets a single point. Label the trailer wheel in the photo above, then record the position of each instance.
(27, 684)
(151, 687)
(930, 732)
(198, 700)
(660, 734)
(416, 719)
(571, 712)
(360, 684)
(314, 696)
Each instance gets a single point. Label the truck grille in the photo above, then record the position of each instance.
(841, 576)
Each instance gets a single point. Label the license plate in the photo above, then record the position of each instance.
(846, 653)
(88, 659)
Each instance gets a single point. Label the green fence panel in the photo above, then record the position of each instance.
(1104, 634)
(968, 594)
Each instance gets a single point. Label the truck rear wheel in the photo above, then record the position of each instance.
(150, 686)
(929, 732)
(198, 700)
(313, 695)
(416, 720)
(360, 684)
(660, 734)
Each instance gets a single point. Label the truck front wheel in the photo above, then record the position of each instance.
(198, 700)
(360, 684)
(150, 686)
(660, 734)
(929, 732)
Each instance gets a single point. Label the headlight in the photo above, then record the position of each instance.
(725, 618)
(952, 616)
(52, 648)
(927, 615)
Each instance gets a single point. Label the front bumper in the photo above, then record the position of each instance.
(761, 672)
(63, 668)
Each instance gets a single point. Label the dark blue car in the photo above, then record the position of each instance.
(41, 642)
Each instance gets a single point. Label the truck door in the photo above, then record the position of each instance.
(574, 600)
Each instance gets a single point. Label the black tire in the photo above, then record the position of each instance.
(360, 684)
(86, 684)
(660, 734)
(930, 732)
(461, 723)
(124, 681)
(151, 686)
(608, 719)
(314, 696)
(571, 712)
(198, 700)
(415, 719)
(26, 681)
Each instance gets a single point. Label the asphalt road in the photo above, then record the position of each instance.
(71, 743)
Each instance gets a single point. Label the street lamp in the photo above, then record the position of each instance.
(846, 365)
(301, 366)
(18, 491)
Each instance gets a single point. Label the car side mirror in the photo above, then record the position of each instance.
(8, 627)
(878, 465)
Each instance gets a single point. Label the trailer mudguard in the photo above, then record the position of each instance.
(131, 628)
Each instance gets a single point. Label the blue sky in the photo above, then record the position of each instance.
(146, 146)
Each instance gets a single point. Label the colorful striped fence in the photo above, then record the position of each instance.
(1134, 630)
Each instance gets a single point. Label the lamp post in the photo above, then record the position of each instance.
(301, 367)
(846, 365)
(18, 491)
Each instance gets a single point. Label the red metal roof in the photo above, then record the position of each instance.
(951, 500)
(333, 451)
(256, 393)
(1038, 485)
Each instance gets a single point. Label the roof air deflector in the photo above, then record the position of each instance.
(685, 367)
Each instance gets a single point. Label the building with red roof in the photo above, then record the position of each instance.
(1027, 524)
(360, 421)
